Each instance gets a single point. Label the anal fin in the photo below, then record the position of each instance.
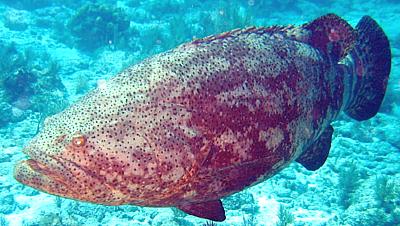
(315, 156)
(212, 210)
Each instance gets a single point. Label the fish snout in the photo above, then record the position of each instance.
(25, 173)
(36, 175)
(41, 170)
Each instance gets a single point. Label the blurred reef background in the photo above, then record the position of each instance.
(53, 51)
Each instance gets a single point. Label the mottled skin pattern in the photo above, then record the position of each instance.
(197, 123)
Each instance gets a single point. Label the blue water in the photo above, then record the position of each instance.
(53, 52)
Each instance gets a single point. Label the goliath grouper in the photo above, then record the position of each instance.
(211, 117)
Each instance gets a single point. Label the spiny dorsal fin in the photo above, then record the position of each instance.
(249, 30)
(332, 35)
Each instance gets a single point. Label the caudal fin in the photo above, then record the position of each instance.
(371, 62)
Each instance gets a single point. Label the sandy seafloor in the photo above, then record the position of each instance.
(347, 190)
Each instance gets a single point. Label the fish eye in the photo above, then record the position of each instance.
(79, 140)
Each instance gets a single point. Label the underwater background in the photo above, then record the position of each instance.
(53, 51)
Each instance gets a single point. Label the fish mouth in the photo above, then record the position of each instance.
(30, 165)
(39, 176)
(29, 172)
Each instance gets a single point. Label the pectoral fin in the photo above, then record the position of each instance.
(314, 157)
(212, 210)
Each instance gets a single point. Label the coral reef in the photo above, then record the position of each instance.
(151, 39)
(162, 8)
(347, 183)
(3, 221)
(29, 80)
(8, 204)
(242, 200)
(17, 20)
(285, 217)
(5, 111)
(82, 84)
(249, 221)
(28, 4)
(387, 196)
(180, 32)
(209, 223)
(97, 25)
(226, 17)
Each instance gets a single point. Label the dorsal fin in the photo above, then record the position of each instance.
(289, 31)
(238, 32)
(332, 35)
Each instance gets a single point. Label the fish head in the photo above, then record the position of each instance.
(66, 158)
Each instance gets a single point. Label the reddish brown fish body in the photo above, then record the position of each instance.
(227, 115)
(192, 125)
